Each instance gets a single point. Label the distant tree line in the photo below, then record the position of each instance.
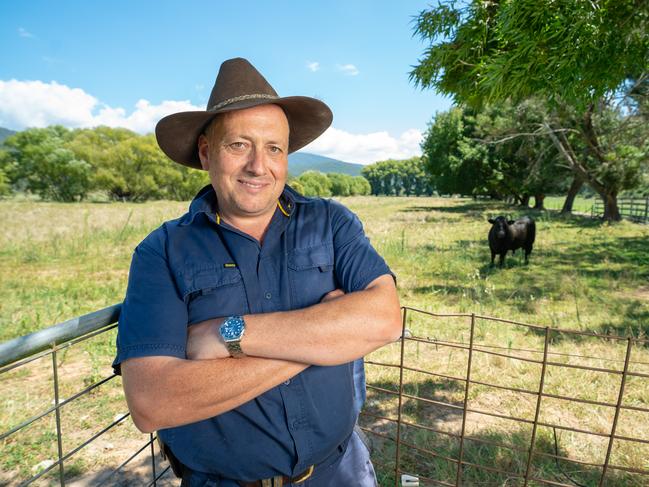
(59, 164)
(398, 177)
(315, 183)
(66, 165)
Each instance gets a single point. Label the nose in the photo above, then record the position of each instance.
(256, 163)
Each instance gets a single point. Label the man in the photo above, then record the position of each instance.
(243, 317)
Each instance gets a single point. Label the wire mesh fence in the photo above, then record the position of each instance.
(463, 399)
(475, 400)
(61, 411)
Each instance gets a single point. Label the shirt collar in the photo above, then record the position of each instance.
(205, 202)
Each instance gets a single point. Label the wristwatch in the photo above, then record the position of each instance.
(231, 331)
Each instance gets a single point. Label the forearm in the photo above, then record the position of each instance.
(331, 332)
(164, 391)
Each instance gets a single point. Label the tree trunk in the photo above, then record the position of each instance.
(611, 210)
(576, 185)
(538, 201)
(525, 201)
(608, 195)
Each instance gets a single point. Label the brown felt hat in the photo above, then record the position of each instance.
(239, 85)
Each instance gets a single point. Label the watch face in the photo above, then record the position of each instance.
(232, 328)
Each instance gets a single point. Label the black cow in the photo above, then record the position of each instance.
(507, 235)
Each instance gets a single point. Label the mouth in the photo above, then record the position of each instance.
(253, 185)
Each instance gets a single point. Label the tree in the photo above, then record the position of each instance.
(398, 177)
(578, 55)
(360, 186)
(340, 184)
(315, 183)
(39, 162)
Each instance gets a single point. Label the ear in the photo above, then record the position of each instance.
(491, 220)
(203, 151)
(510, 222)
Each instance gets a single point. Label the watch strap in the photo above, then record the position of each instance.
(234, 347)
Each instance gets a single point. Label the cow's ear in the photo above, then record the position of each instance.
(510, 222)
(491, 220)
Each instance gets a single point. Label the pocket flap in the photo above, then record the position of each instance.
(320, 256)
(208, 278)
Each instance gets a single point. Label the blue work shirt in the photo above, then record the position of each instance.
(197, 268)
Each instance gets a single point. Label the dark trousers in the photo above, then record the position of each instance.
(352, 469)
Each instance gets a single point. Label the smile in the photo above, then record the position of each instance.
(252, 185)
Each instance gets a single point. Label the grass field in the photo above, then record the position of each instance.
(58, 261)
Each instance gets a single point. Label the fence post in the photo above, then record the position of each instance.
(537, 413)
(57, 414)
(155, 477)
(620, 397)
(398, 448)
(646, 209)
(467, 383)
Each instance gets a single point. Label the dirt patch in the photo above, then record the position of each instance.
(642, 293)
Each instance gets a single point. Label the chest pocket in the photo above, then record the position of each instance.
(212, 292)
(311, 274)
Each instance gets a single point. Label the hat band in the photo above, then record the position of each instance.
(254, 96)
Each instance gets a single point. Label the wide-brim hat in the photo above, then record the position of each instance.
(239, 85)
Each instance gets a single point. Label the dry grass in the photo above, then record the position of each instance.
(60, 261)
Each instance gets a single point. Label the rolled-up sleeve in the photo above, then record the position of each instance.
(153, 320)
(357, 263)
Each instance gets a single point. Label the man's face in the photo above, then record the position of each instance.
(246, 155)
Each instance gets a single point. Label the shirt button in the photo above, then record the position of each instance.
(296, 424)
(268, 295)
(287, 382)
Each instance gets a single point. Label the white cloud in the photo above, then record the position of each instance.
(23, 32)
(366, 148)
(348, 69)
(37, 104)
(313, 66)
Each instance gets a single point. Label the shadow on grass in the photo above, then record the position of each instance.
(434, 454)
(137, 472)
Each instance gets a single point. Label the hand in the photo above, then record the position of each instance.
(204, 341)
(330, 296)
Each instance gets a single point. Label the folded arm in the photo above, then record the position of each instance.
(162, 392)
(339, 329)
(332, 332)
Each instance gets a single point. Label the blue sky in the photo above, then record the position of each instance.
(130, 62)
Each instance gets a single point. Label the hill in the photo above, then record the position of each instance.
(303, 161)
(4, 133)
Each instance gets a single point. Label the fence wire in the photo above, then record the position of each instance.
(445, 424)
(455, 404)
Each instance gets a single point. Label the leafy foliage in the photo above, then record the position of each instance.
(567, 50)
(398, 177)
(39, 161)
(583, 58)
(315, 183)
(64, 165)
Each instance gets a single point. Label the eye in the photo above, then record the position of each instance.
(275, 149)
(238, 146)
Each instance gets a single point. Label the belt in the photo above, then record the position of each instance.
(280, 480)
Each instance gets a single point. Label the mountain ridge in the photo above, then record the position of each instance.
(300, 162)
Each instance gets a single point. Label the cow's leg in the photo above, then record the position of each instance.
(527, 253)
(493, 256)
(502, 258)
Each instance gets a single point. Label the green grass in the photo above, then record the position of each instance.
(58, 261)
(581, 204)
